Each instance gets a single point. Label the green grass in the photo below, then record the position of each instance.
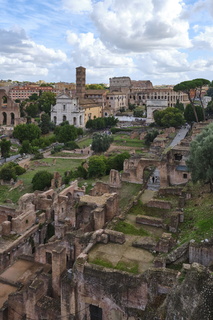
(124, 140)
(131, 267)
(128, 228)
(61, 166)
(128, 191)
(141, 209)
(84, 142)
(198, 222)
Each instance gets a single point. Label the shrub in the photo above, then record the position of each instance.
(8, 172)
(42, 180)
(71, 145)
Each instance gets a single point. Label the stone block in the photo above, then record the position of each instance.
(150, 221)
(115, 236)
(147, 243)
(6, 228)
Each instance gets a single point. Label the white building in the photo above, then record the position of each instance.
(67, 109)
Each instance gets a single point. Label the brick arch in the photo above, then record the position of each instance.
(134, 170)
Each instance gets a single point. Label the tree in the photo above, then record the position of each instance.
(66, 133)
(46, 100)
(8, 172)
(29, 131)
(170, 117)
(188, 87)
(200, 161)
(25, 147)
(45, 123)
(97, 166)
(209, 92)
(179, 106)
(193, 88)
(101, 142)
(33, 97)
(32, 110)
(199, 85)
(189, 113)
(209, 109)
(150, 136)
(42, 180)
(5, 148)
(116, 162)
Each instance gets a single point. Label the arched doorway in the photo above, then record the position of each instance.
(4, 100)
(12, 121)
(4, 118)
(64, 118)
(74, 121)
(55, 119)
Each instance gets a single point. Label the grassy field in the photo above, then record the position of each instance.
(124, 140)
(61, 165)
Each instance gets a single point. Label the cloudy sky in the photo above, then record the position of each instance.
(165, 41)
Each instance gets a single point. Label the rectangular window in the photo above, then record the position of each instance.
(185, 175)
(95, 312)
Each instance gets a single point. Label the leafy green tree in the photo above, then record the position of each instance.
(26, 147)
(29, 131)
(150, 136)
(200, 161)
(41, 180)
(94, 86)
(7, 173)
(101, 142)
(193, 88)
(32, 110)
(10, 171)
(101, 123)
(5, 148)
(170, 117)
(138, 113)
(132, 106)
(66, 133)
(45, 123)
(209, 109)
(45, 101)
(210, 92)
(33, 97)
(189, 113)
(188, 87)
(179, 106)
(116, 162)
(97, 166)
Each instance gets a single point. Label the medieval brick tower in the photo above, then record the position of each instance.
(80, 81)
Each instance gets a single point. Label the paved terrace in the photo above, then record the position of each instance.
(114, 253)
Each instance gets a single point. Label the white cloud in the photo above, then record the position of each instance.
(141, 25)
(77, 6)
(22, 56)
(204, 40)
(89, 51)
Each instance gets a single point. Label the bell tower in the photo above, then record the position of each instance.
(80, 81)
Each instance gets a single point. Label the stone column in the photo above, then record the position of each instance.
(58, 266)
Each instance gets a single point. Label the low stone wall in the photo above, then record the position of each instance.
(170, 191)
(150, 221)
(159, 204)
(201, 253)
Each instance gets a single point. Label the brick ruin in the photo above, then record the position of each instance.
(51, 242)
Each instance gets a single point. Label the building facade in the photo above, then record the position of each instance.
(67, 109)
(9, 110)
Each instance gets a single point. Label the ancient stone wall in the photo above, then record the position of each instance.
(201, 253)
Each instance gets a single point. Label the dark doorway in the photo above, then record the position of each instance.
(95, 312)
